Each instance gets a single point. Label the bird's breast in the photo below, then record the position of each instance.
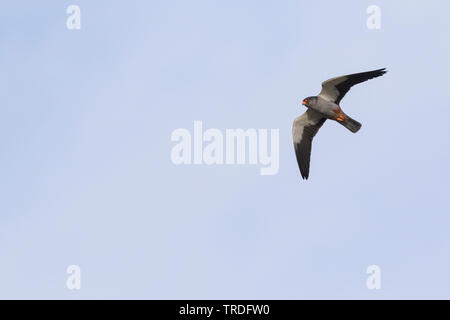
(327, 108)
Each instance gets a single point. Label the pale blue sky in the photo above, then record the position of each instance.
(86, 119)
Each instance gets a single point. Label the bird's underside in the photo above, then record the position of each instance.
(319, 109)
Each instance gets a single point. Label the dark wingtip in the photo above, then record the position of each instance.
(381, 71)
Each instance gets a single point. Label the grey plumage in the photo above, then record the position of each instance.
(304, 129)
(322, 107)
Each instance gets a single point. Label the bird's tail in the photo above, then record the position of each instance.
(350, 124)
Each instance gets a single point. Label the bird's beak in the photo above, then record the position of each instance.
(304, 102)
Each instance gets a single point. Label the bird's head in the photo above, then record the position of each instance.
(310, 101)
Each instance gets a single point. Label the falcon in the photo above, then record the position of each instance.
(322, 107)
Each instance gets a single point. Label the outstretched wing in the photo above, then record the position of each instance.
(303, 131)
(335, 89)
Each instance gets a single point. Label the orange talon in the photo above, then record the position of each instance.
(340, 118)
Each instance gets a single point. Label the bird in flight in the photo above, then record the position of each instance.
(322, 107)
